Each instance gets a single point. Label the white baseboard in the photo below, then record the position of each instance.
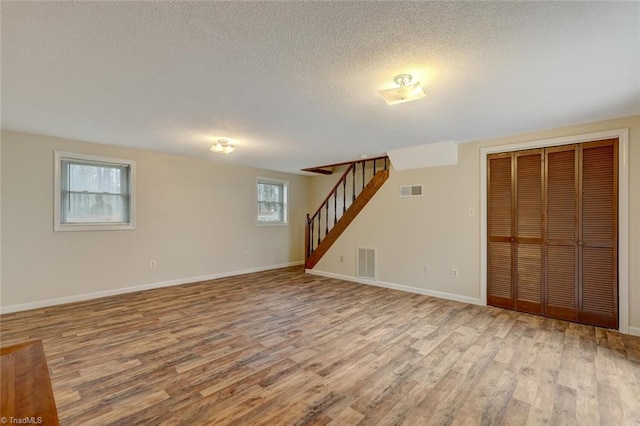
(634, 331)
(401, 287)
(98, 294)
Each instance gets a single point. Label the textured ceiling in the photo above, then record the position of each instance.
(295, 84)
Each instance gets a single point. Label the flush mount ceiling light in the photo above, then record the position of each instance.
(223, 147)
(405, 93)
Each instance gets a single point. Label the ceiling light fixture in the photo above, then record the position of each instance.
(223, 147)
(405, 93)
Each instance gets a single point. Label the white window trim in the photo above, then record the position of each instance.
(285, 184)
(624, 296)
(57, 226)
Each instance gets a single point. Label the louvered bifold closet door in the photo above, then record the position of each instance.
(597, 241)
(500, 283)
(561, 299)
(529, 174)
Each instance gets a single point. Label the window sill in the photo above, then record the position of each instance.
(272, 224)
(94, 227)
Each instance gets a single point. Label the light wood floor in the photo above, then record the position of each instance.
(282, 347)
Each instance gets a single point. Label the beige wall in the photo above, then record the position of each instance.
(0, 221)
(194, 217)
(436, 230)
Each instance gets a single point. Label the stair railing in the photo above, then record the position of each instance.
(343, 194)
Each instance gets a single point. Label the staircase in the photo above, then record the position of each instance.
(357, 185)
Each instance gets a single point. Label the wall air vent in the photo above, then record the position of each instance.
(367, 263)
(411, 191)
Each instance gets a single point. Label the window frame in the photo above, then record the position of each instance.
(285, 201)
(59, 157)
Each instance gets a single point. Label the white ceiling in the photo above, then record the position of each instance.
(295, 84)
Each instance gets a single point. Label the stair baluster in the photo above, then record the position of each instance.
(344, 196)
(353, 186)
(335, 207)
(326, 225)
(319, 224)
(311, 248)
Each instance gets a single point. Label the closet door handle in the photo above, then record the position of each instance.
(580, 243)
(513, 240)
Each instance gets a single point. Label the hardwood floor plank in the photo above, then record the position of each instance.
(516, 413)
(134, 403)
(564, 406)
(348, 416)
(283, 347)
(542, 404)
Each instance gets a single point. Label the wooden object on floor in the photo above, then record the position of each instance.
(282, 347)
(25, 386)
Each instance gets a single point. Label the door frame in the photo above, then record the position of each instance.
(623, 208)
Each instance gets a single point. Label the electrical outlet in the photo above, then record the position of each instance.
(454, 273)
(246, 254)
(471, 211)
(341, 259)
(427, 269)
(152, 264)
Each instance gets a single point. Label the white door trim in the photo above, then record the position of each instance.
(623, 208)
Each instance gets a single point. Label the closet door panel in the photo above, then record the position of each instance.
(529, 278)
(561, 299)
(598, 194)
(500, 197)
(529, 176)
(598, 234)
(529, 251)
(599, 300)
(500, 285)
(500, 280)
(562, 194)
(562, 290)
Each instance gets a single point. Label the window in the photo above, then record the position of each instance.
(272, 201)
(93, 193)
